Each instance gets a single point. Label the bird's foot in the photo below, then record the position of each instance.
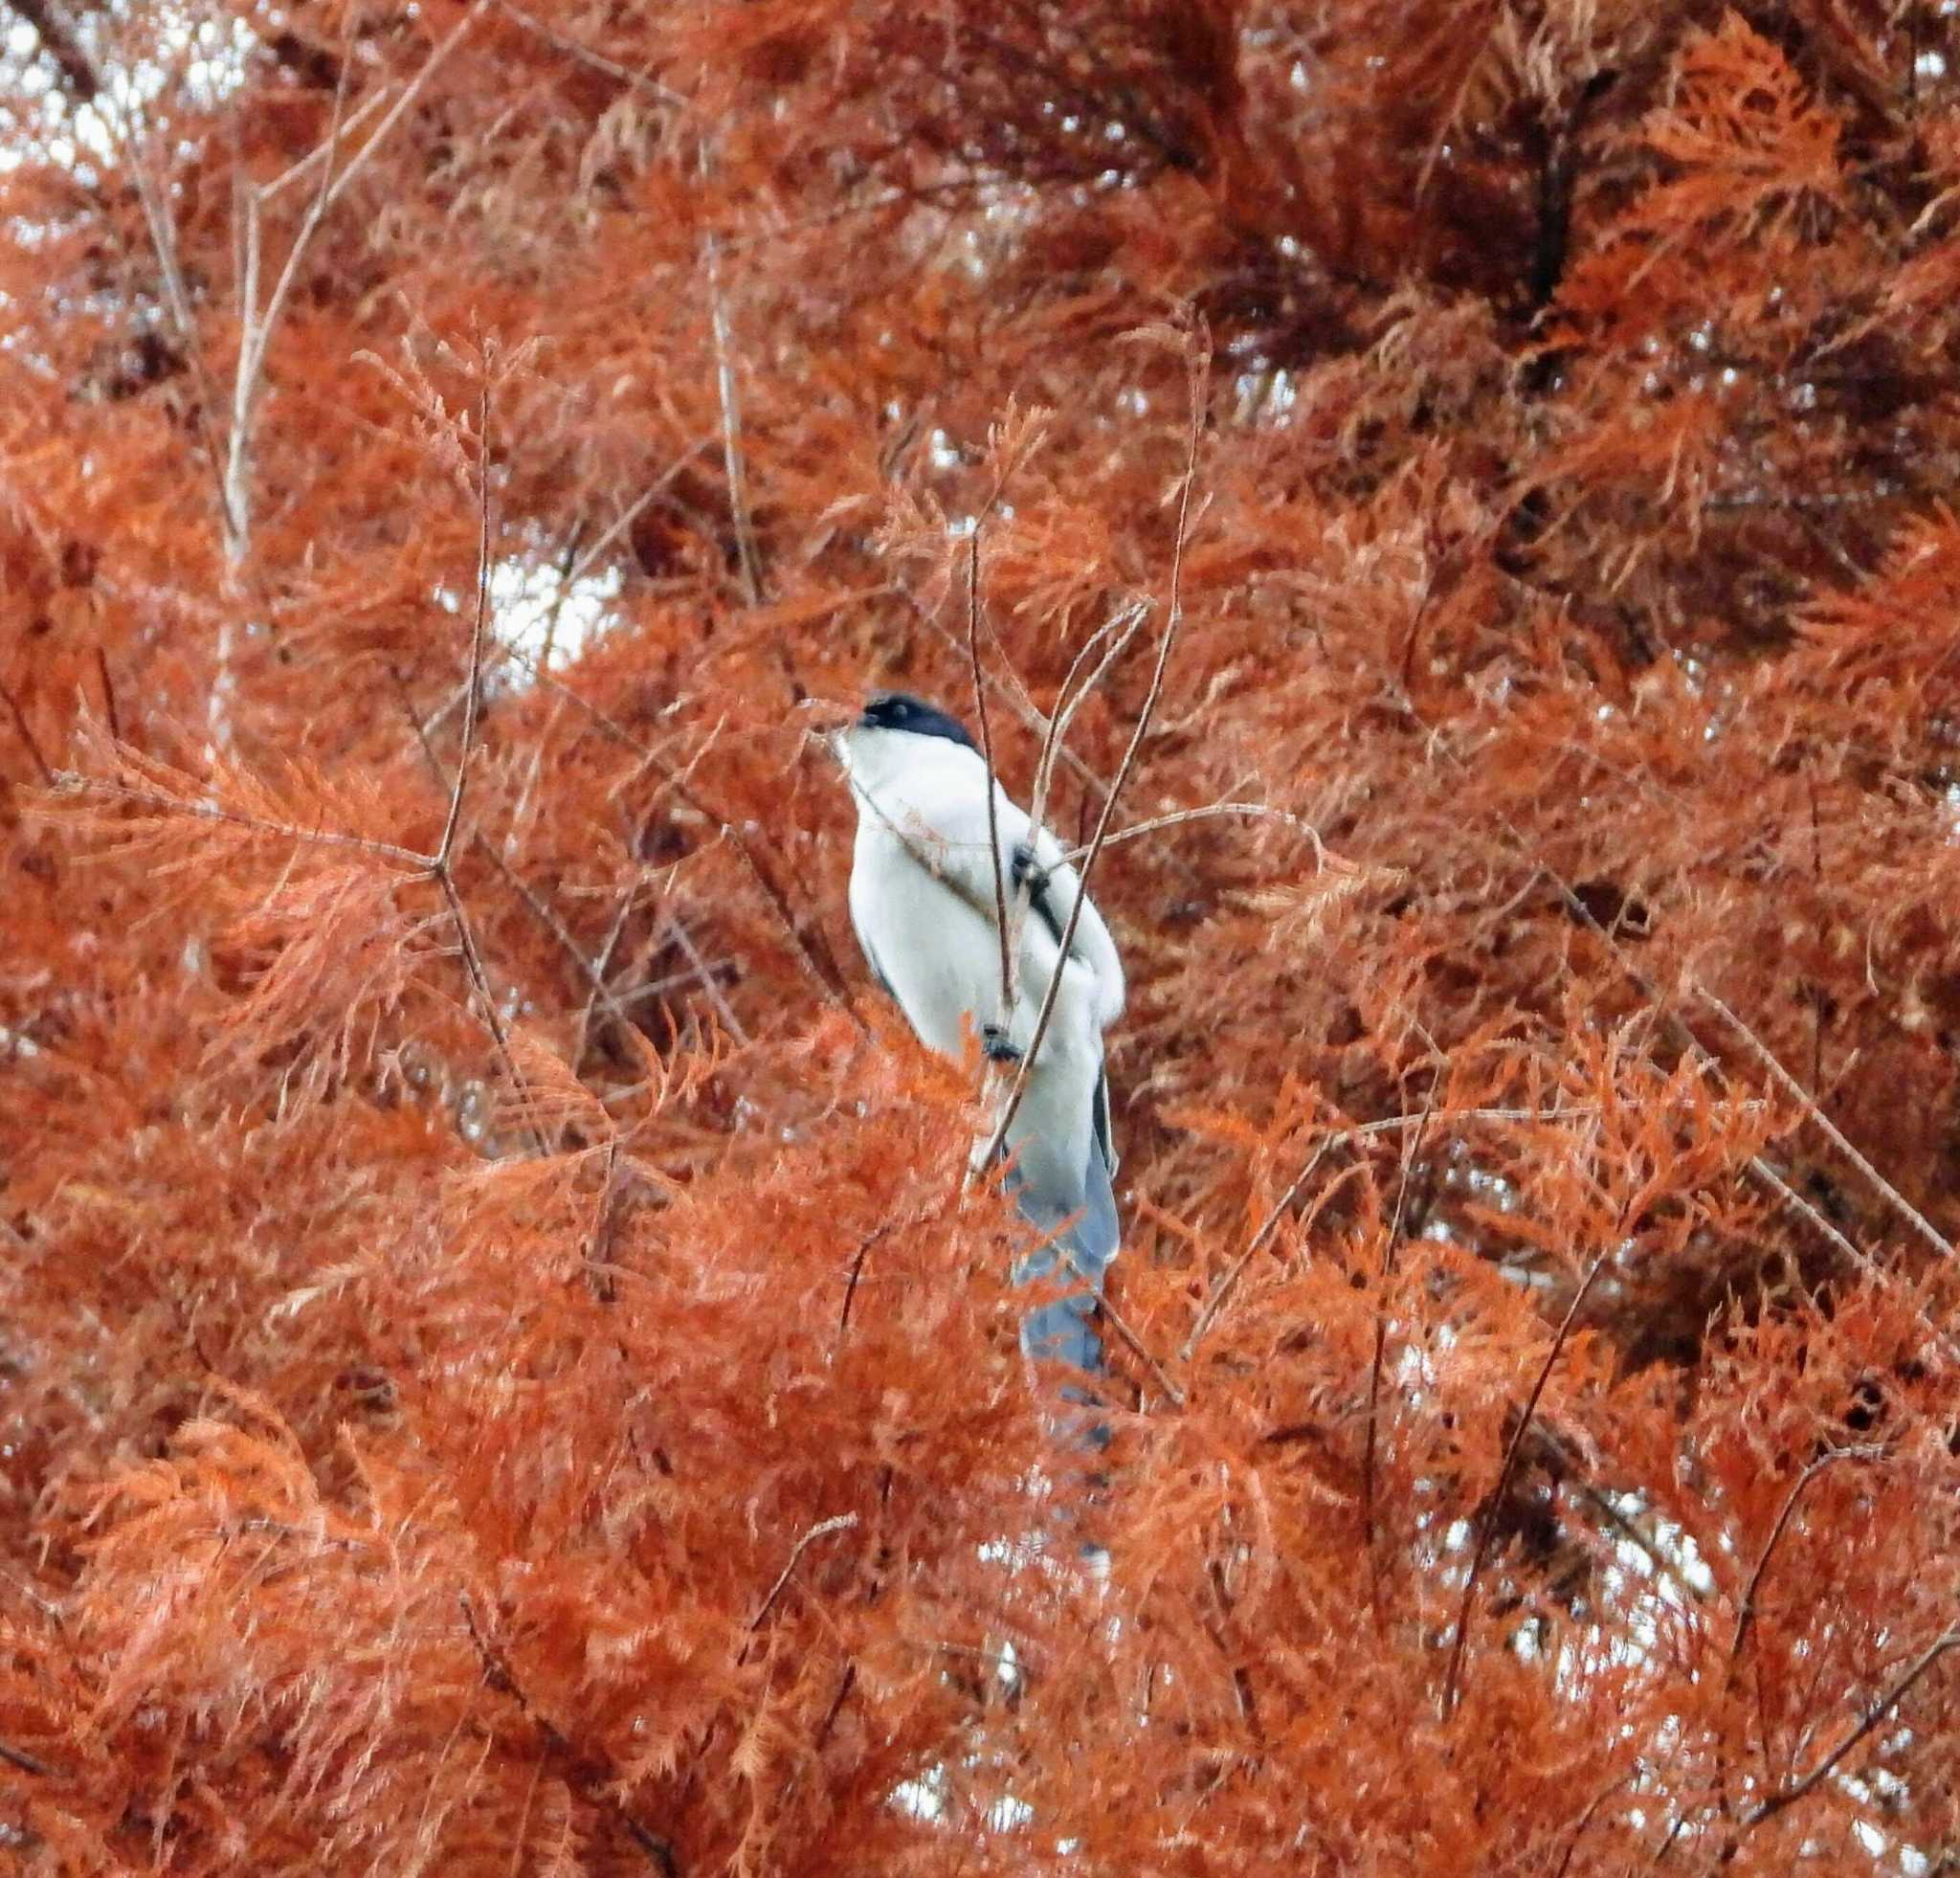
(997, 1046)
(1027, 871)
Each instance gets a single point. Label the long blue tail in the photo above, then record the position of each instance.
(1063, 1330)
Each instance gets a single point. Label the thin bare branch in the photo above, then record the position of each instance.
(1223, 1290)
(591, 1773)
(1178, 816)
(541, 911)
(1452, 1680)
(703, 975)
(837, 1523)
(486, 1004)
(1072, 696)
(1830, 1129)
(1585, 1818)
(1173, 617)
(1172, 1393)
(729, 391)
(48, 777)
(1008, 687)
(27, 1763)
(473, 696)
(70, 781)
(864, 1246)
(110, 715)
(1328, 1143)
(1371, 1444)
(1892, 1697)
(325, 152)
(1747, 1615)
(633, 511)
(427, 70)
(1000, 922)
(584, 54)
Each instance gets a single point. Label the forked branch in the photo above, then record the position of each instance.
(1196, 363)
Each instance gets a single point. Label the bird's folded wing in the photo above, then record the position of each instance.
(945, 826)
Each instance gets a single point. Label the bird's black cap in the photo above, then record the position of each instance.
(900, 710)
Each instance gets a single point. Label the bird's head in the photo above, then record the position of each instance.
(899, 712)
(893, 733)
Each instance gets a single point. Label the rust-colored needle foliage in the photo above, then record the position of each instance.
(500, 1369)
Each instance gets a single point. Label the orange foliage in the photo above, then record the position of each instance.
(498, 1371)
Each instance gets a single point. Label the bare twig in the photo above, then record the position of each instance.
(1832, 1132)
(426, 71)
(26, 736)
(260, 324)
(71, 781)
(486, 1002)
(1007, 967)
(1171, 1392)
(591, 1775)
(1073, 695)
(1585, 1818)
(1341, 1137)
(623, 1002)
(472, 697)
(702, 972)
(441, 867)
(605, 1228)
(729, 394)
(1747, 1614)
(27, 1763)
(1789, 1795)
(1452, 1680)
(586, 55)
(1172, 618)
(601, 965)
(1683, 1038)
(109, 711)
(864, 1246)
(1381, 1345)
(163, 236)
(1177, 817)
(631, 513)
(598, 991)
(324, 152)
(1007, 686)
(1225, 1287)
(837, 1523)
(1759, 1170)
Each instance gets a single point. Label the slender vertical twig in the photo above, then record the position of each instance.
(1372, 1443)
(1452, 1680)
(1007, 970)
(729, 392)
(591, 1773)
(109, 712)
(703, 975)
(26, 736)
(1172, 618)
(1225, 1287)
(1747, 1616)
(472, 695)
(441, 865)
(1593, 1806)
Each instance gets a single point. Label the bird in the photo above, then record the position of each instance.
(925, 899)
